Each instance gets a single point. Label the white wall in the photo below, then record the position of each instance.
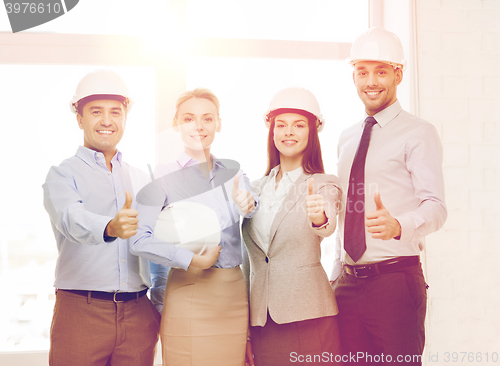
(459, 92)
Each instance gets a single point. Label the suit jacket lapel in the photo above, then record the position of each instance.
(296, 191)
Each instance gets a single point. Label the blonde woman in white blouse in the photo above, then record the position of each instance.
(292, 306)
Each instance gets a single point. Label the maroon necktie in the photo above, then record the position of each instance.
(354, 226)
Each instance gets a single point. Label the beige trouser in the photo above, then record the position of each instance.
(102, 332)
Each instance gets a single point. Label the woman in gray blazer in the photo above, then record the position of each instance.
(292, 306)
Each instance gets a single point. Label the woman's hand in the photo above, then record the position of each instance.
(243, 199)
(249, 352)
(315, 206)
(207, 259)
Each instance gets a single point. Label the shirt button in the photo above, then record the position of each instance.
(123, 283)
(267, 260)
(109, 173)
(123, 260)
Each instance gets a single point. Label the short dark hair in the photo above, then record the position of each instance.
(312, 161)
(81, 103)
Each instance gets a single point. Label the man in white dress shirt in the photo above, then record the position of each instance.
(399, 199)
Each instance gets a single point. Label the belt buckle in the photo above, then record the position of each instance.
(114, 298)
(355, 270)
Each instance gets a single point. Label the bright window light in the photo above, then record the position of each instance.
(110, 17)
(299, 20)
(245, 88)
(312, 20)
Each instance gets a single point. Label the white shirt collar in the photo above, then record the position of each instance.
(292, 175)
(388, 114)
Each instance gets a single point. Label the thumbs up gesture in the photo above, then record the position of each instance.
(243, 199)
(315, 205)
(380, 223)
(124, 225)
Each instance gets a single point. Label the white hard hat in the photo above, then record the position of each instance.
(378, 44)
(101, 82)
(190, 225)
(295, 100)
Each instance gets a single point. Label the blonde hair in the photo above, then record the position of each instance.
(201, 93)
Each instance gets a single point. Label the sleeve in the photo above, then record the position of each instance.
(245, 184)
(331, 192)
(159, 276)
(337, 264)
(159, 273)
(424, 162)
(245, 266)
(67, 211)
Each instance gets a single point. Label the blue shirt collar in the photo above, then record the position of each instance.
(91, 157)
(185, 160)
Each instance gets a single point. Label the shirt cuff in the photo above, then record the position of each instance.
(407, 228)
(320, 227)
(99, 227)
(106, 237)
(182, 258)
(327, 228)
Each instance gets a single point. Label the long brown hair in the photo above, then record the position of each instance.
(312, 161)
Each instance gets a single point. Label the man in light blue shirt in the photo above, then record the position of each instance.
(101, 315)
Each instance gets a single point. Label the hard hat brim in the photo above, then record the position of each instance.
(276, 112)
(395, 65)
(90, 98)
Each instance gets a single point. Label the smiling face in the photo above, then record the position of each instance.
(197, 120)
(291, 135)
(376, 83)
(103, 124)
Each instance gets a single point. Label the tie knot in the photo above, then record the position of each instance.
(370, 121)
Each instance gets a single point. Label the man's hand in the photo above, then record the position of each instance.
(315, 205)
(243, 199)
(380, 223)
(124, 225)
(207, 259)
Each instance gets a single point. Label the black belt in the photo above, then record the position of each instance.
(387, 266)
(111, 296)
